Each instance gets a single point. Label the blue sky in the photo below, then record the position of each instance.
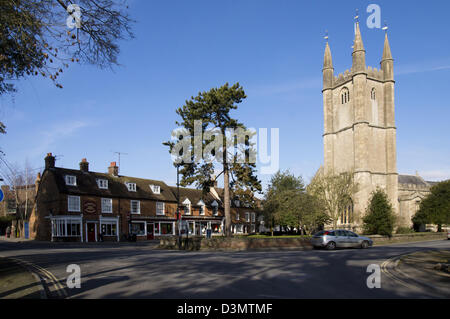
(274, 49)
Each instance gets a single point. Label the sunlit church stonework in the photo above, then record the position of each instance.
(360, 134)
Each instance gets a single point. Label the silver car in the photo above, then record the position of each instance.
(331, 239)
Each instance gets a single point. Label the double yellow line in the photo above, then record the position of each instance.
(46, 276)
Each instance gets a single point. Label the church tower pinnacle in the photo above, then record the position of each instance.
(328, 70)
(387, 63)
(359, 54)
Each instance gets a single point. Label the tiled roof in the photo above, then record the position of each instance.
(194, 195)
(87, 185)
(411, 179)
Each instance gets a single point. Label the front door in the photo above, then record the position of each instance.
(91, 232)
(150, 231)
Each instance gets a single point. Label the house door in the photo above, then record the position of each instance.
(150, 227)
(91, 232)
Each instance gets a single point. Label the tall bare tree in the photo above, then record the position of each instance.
(42, 37)
(334, 191)
(20, 181)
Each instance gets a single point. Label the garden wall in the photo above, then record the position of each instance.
(300, 243)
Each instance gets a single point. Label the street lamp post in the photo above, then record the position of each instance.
(178, 207)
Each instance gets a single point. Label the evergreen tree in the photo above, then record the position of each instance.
(435, 208)
(380, 218)
(205, 144)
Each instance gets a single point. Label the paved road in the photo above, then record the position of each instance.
(144, 272)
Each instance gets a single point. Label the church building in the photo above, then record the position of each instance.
(360, 134)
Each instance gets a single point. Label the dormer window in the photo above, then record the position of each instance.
(215, 208)
(71, 180)
(131, 187)
(155, 189)
(202, 207)
(345, 96)
(102, 183)
(187, 206)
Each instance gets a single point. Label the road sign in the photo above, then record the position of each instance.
(2, 196)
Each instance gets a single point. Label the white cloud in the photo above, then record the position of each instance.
(404, 70)
(56, 133)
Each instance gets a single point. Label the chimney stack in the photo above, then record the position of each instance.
(37, 181)
(84, 165)
(113, 169)
(49, 161)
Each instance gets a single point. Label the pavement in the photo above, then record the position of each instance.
(420, 268)
(109, 270)
(17, 282)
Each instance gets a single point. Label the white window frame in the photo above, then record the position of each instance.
(110, 220)
(138, 207)
(69, 178)
(102, 183)
(155, 189)
(159, 210)
(253, 217)
(202, 205)
(104, 211)
(187, 203)
(59, 226)
(109, 223)
(131, 187)
(71, 209)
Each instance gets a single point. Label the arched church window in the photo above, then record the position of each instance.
(373, 94)
(345, 96)
(347, 216)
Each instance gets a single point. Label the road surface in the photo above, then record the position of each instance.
(141, 271)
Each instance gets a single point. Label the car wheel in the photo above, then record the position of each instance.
(364, 244)
(331, 245)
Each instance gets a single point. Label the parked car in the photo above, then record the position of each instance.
(448, 234)
(331, 239)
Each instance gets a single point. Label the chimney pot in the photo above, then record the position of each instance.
(113, 169)
(49, 161)
(84, 165)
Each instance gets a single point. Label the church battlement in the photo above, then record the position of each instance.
(372, 73)
(375, 74)
(342, 78)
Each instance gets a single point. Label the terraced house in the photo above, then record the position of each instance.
(80, 205)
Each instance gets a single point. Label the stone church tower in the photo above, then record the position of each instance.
(359, 126)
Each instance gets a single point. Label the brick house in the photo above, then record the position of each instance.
(79, 205)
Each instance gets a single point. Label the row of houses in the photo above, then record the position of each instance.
(81, 205)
